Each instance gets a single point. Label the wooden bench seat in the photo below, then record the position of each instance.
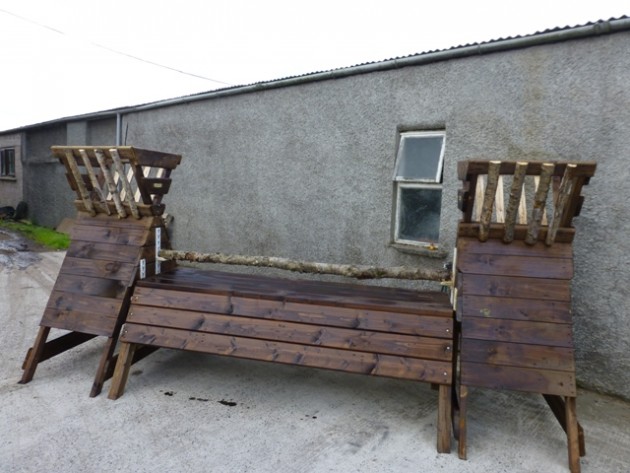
(378, 331)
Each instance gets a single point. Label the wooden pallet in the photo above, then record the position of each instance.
(110, 243)
(513, 286)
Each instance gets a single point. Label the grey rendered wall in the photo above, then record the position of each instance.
(47, 192)
(305, 171)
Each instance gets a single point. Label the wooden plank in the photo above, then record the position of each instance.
(438, 372)
(560, 383)
(109, 252)
(466, 169)
(516, 248)
(538, 207)
(89, 286)
(304, 334)
(444, 419)
(319, 292)
(489, 199)
(517, 331)
(508, 286)
(98, 306)
(375, 320)
(79, 321)
(63, 343)
(111, 183)
(497, 230)
(121, 372)
(113, 235)
(102, 220)
(518, 354)
(507, 265)
(565, 193)
(514, 201)
(99, 269)
(534, 310)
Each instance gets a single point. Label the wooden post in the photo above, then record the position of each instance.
(463, 401)
(540, 198)
(564, 195)
(95, 184)
(121, 373)
(78, 179)
(34, 354)
(572, 435)
(444, 419)
(111, 185)
(488, 199)
(516, 192)
(125, 183)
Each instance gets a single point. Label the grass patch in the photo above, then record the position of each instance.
(42, 235)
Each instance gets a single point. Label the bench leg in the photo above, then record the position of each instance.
(559, 409)
(572, 435)
(101, 372)
(34, 354)
(463, 400)
(125, 359)
(444, 419)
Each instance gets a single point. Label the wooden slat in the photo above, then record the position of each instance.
(99, 306)
(497, 230)
(78, 321)
(111, 184)
(438, 372)
(515, 308)
(101, 220)
(516, 248)
(128, 191)
(317, 314)
(110, 288)
(508, 265)
(538, 207)
(99, 269)
(518, 354)
(560, 383)
(467, 169)
(114, 235)
(527, 288)
(78, 180)
(109, 252)
(489, 199)
(304, 334)
(564, 195)
(517, 331)
(514, 201)
(96, 185)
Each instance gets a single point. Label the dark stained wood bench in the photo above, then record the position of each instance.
(353, 328)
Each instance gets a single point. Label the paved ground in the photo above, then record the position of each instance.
(195, 413)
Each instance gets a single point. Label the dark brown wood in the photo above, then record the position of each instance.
(299, 333)
(516, 192)
(517, 331)
(63, 343)
(522, 355)
(489, 199)
(444, 419)
(540, 201)
(515, 248)
(497, 230)
(572, 434)
(558, 407)
(287, 353)
(503, 286)
(34, 354)
(520, 266)
(561, 383)
(125, 358)
(536, 310)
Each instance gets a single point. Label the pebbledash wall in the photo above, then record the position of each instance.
(303, 167)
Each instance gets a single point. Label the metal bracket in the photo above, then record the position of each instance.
(158, 247)
(143, 268)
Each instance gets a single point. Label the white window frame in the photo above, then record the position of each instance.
(402, 182)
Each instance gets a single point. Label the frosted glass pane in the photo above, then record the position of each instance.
(419, 214)
(419, 157)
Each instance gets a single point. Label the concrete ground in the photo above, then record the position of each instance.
(198, 413)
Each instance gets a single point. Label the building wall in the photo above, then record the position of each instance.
(11, 188)
(306, 171)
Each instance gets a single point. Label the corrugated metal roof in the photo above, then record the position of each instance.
(548, 36)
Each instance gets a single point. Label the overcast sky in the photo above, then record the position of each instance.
(68, 57)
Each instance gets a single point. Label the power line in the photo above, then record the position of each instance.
(112, 50)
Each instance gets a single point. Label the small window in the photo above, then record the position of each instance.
(418, 188)
(7, 162)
